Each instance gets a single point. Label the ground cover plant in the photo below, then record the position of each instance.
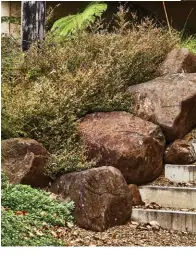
(29, 216)
(48, 89)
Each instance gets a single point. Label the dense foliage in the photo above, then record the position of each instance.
(28, 216)
(48, 89)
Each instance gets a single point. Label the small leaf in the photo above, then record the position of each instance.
(70, 225)
(39, 233)
(31, 234)
(54, 234)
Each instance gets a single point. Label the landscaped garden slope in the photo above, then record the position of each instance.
(47, 93)
(46, 90)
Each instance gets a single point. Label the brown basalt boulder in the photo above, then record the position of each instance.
(180, 152)
(179, 60)
(24, 161)
(135, 193)
(169, 102)
(101, 196)
(119, 139)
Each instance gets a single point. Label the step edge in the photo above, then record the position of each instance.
(168, 188)
(164, 211)
(183, 165)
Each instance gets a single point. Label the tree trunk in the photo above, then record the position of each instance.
(33, 22)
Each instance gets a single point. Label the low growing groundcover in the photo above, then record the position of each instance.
(29, 216)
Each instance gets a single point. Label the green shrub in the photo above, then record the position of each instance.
(19, 230)
(23, 197)
(28, 216)
(4, 181)
(11, 59)
(60, 82)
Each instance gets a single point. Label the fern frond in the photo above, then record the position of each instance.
(72, 23)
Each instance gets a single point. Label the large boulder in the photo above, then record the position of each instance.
(180, 152)
(179, 60)
(119, 139)
(136, 196)
(101, 196)
(24, 161)
(169, 102)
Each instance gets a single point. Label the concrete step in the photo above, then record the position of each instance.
(175, 197)
(181, 173)
(168, 219)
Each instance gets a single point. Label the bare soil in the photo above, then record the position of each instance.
(130, 234)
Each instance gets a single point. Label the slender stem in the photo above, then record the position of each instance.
(168, 23)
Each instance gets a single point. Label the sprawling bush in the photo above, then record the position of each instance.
(58, 83)
(28, 216)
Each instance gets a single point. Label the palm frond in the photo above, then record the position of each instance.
(72, 23)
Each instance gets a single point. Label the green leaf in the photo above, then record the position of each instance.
(70, 24)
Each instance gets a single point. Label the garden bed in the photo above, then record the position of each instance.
(130, 234)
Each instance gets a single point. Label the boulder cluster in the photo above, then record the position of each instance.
(131, 149)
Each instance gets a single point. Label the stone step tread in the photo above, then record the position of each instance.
(168, 219)
(173, 211)
(168, 188)
(181, 173)
(173, 197)
(182, 165)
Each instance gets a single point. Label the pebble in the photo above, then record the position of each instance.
(134, 223)
(154, 223)
(149, 227)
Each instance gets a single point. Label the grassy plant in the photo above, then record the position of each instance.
(189, 43)
(60, 82)
(28, 216)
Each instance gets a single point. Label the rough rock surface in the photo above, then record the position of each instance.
(180, 152)
(135, 193)
(168, 101)
(132, 145)
(101, 196)
(179, 60)
(23, 161)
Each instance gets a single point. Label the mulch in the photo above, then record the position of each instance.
(130, 234)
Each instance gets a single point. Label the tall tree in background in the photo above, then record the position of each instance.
(33, 22)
